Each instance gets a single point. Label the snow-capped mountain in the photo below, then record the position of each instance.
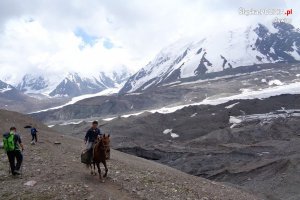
(33, 83)
(4, 87)
(121, 75)
(75, 85)
(71, 84)
(197, 57)
(10, 97)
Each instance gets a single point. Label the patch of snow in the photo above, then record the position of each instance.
(134, 114)
(275, 82)
(167, 131)
(294, 53)
(232, 105)
(298, 75)
(234, 120)
(243, 90)
(265, 117)
(263, 80)
(132, 94)
(174, 135)
(5, 89)
(272, 50)
(172, 83)
(70, 123)
(194, 115)
(109, 119)
(106, 92)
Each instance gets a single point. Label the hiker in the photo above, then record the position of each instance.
(13, 145)
(33, 135)
(91, 137)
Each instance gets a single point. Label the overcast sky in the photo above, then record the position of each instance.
(99, 35)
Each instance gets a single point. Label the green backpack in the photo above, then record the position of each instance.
(8, 142)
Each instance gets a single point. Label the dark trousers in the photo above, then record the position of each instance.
(34, 137)
(12, 156)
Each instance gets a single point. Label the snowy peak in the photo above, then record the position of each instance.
(32, 83)
(4, 87)
(120, 76)
(281, 46)
(75, 85)
(71, 84)
(199, 56)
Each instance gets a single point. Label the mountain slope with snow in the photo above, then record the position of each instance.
(32, 83)
(69, 84)
(75, 85)
(197, 57)
(4, 87)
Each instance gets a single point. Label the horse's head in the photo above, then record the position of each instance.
(106, 140)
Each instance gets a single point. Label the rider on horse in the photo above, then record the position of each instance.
(91, 137)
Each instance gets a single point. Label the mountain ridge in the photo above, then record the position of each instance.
(199, 57)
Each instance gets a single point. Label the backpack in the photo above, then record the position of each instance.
(33, 131)
(9, 142)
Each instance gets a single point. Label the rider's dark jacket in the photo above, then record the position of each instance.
(92, 134)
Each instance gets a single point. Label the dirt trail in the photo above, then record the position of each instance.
(58, 173)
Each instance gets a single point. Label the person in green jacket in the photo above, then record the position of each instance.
(13, 146)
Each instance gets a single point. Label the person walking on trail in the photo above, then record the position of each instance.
(13, 145)
(33, 135)
(91, 137)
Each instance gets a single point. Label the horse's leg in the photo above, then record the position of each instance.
(99, 171)
(106, 169)
(91, 167)
(94, 168)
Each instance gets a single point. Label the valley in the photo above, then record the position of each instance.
(260, 155)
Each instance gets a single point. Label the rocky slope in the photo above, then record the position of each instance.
(250, 143)
(58, 173)
(12, 99)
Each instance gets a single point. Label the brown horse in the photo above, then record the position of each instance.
(100, 155)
